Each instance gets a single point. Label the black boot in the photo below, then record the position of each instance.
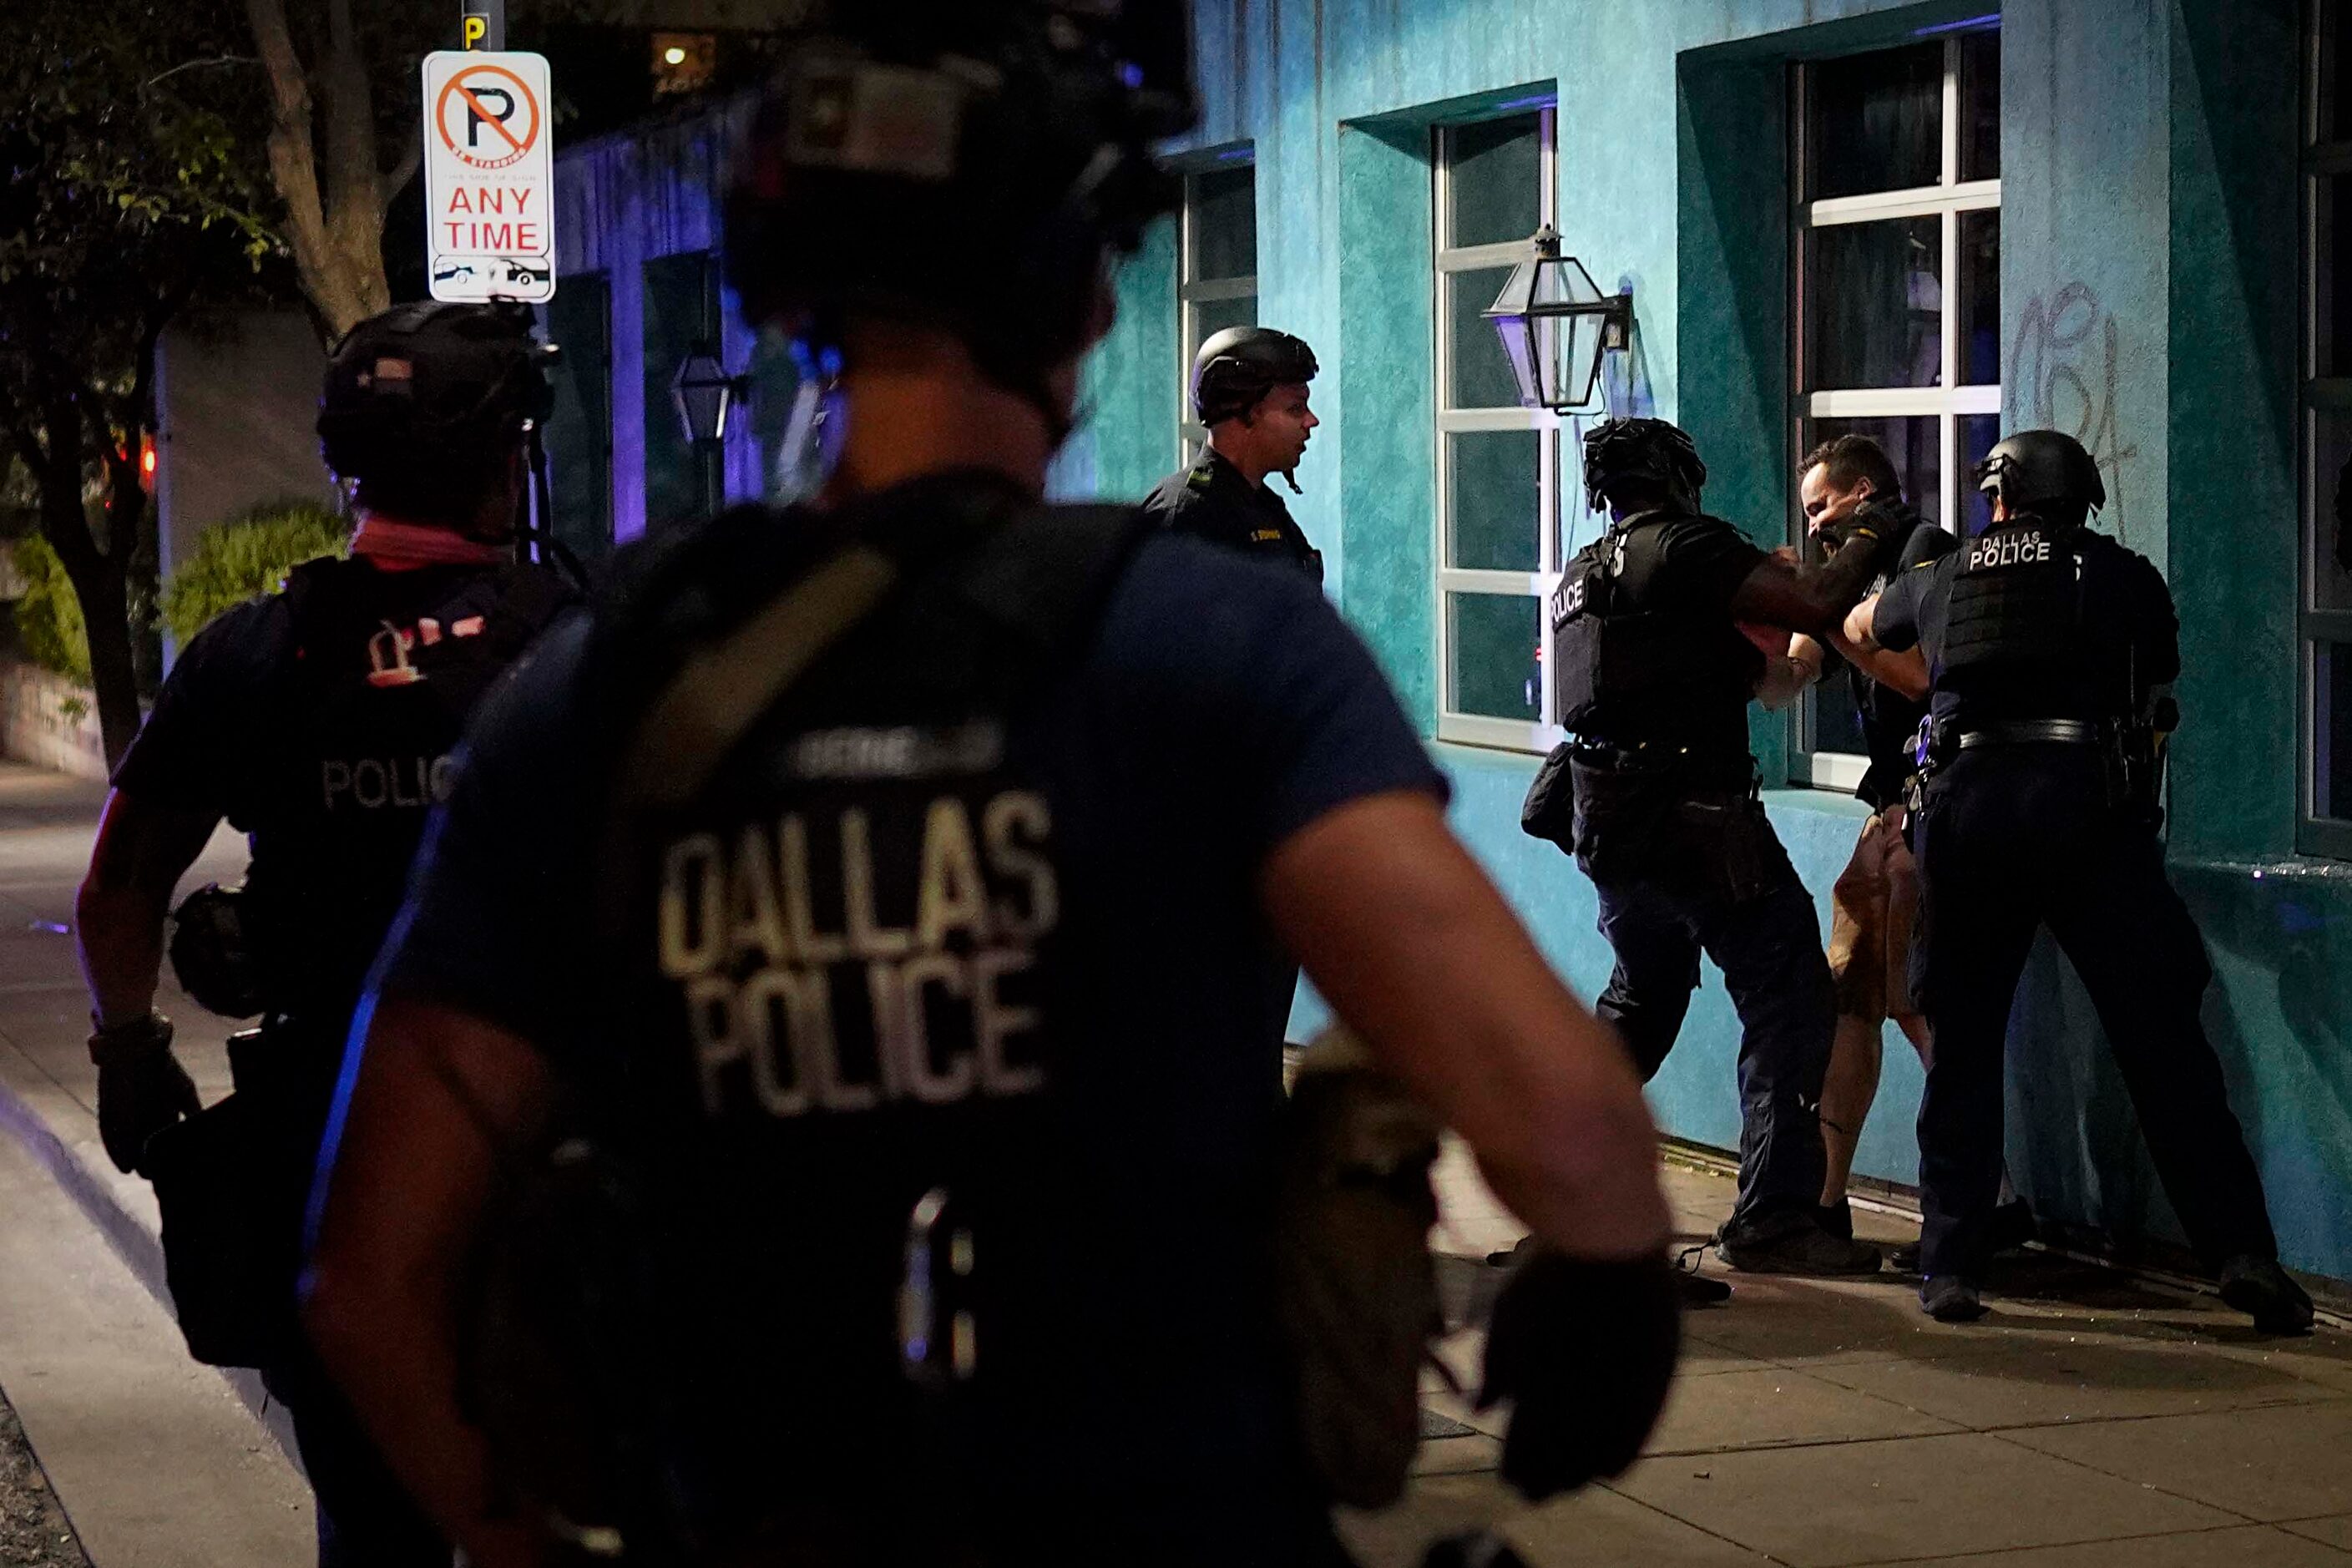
(2259, 1288)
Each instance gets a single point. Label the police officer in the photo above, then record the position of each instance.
(1249, 388)
(2052, 649)
(910, 986)
(319, 720)
(1655, 678)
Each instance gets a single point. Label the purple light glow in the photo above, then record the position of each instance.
(1969, 25)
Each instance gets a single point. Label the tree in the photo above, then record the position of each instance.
(123, 199)
(342, 138)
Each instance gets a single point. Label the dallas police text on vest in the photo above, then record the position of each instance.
(2024, 547)
(762, 936)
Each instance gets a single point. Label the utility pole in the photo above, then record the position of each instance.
(485, 24)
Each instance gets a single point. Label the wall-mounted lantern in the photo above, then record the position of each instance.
(1555, 324)
(706, 396)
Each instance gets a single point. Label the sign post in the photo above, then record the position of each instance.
(485, 24)
(489, 176)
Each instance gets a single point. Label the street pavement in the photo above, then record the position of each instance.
(2093, 1420)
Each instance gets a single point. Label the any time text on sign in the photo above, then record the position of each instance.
(489, 176)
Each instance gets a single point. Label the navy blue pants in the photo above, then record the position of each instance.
(2012, 837)
(1769, 946)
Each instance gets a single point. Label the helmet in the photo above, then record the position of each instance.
(1237, 367)
(1651, 449)
(970, 166)
(2036, 469)
(431, 383)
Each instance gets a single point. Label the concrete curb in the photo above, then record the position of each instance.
(130, 1237)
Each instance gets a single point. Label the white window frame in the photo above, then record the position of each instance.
(1947, 402)
(1193, 292)
(1475, 728)
(2321, 396)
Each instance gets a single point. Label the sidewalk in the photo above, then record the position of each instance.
(2092, 1420)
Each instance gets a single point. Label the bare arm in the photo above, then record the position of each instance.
(410, 1180)
(1810, 599)
(142, 851)
(1787, 674)
(1418, 952)
(1905, 672)
(1861, 624)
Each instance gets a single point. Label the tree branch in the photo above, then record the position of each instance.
(159, 78)
(355, 197)
(293, 162)
(412, 158)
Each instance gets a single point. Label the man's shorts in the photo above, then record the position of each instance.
(1873, 912)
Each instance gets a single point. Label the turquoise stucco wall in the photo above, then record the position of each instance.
(2148, 301)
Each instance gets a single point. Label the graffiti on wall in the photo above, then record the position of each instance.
(2063, 376)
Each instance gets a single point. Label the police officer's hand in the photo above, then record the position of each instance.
(1586, 1351)
(141, 1086)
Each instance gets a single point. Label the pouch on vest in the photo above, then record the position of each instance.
(1357, 1288)
(232, 1183)
(1550, 811)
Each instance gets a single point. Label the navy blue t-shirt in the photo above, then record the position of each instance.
(1219, 707)
(1224, 706)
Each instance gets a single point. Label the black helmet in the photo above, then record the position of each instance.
(2042, 470)
(1237, 367)
(446, 385)
(1651, 449)
(965, 165)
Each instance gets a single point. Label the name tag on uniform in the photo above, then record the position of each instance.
(2006, 548)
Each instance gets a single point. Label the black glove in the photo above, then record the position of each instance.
(142, 1088)
(1585, 1350)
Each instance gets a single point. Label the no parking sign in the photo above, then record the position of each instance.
(489, 176)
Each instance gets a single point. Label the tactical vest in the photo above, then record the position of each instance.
(2027, 632)
(386, 668)
(1634, 670)
(840, 1099)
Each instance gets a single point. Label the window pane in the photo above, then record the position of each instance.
(2331, 732)
(1491, 659)
(1492, 493)
(2334, 106)
(1978, 435)
(1912, 445)
(1224, 224)
(1207, 318)
(775, 383)
(1482, 375)
(1833, 722)
(2331, 283)
(1875, 300)
(580, 422)
(1979, 264)
(1980, 106)
(1495, 179)
(2331, 495)
(1875, 122)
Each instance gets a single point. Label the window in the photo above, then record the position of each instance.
(1217, 286)
(2327, 600)
(1897, 312)
(681, 315)
(1498, 484)
(579, 435)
